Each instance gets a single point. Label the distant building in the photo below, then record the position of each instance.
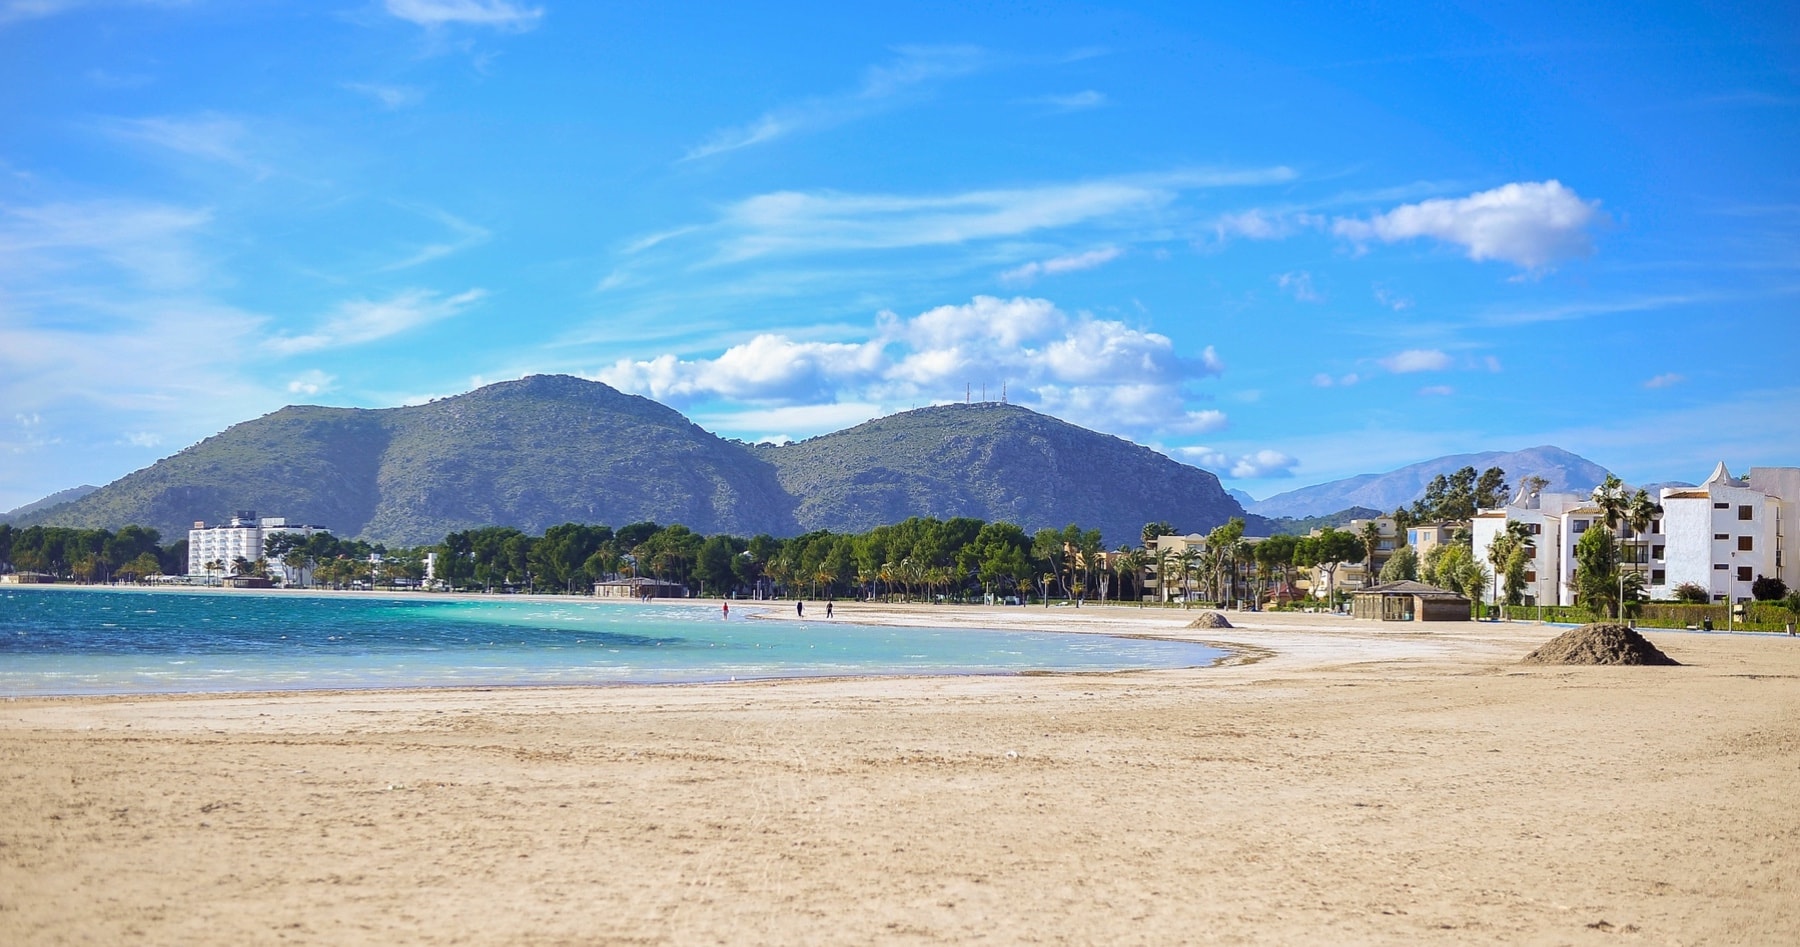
(1408, 601)
(1725, 532)
(242, 537)
(1720, 535)
(639, 587)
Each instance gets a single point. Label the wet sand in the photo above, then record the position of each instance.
(1342, 782)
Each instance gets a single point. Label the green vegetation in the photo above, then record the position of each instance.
(546, 450)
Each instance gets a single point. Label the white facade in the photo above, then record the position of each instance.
(1720, 536)
(242, 537)
(1725, 533)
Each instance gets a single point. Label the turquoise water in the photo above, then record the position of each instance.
(133, 642)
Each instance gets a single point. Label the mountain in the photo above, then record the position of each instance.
(993, 462)
(530, 453)
(551, 449)
(1245, 500)
(1567, 473)
(54, 499)
(1303, 526)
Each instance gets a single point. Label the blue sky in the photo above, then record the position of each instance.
(1287, 243)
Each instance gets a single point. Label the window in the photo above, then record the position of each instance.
(1721, 506)
(1720, 567)
(1537, 529)
(1743, 573)
(1746, 512)
(1656, 526)
(1531, 575)
(1658, 577)
(1656, 552)
(1580, 527)
(1721, 537)
(1745, 543)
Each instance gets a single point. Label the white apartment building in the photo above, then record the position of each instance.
(1542, 514)
(1719, 535)
(1726, 532)
(242, 537)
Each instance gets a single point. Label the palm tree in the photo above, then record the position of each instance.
(1501, 549)
(1130, 562)
(1370, 534)
(1189, 561)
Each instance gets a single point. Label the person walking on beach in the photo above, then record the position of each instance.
(725, 609)
(799, 609)
(827, 609)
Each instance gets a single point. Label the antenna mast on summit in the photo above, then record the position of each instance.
(968, 392)
(1003, 392)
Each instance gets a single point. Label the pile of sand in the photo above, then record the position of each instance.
(1209, 620)
(1599, 643)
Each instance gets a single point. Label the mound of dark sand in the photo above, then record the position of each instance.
(1209, 620)
(1599, 643)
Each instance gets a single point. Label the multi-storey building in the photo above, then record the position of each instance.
(1727, 532)
(1720, 535)
(241, 537)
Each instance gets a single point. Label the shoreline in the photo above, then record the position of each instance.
(1356, 784)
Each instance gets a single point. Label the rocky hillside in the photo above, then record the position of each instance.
(994, 462)
(552, 449)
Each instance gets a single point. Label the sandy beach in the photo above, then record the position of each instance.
(1339, 782)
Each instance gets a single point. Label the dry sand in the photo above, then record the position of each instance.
(1358, 783)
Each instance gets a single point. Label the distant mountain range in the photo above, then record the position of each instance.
(1566, 472)
(546, 450)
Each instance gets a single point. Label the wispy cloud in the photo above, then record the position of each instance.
(882, 87)
(361, 321)
(1416, 360)
(465, 236)
(1069, 263)
(1299, 284)
(150, 242)
(1530, 224)
(1073, 102)
(208, 135)
(389, 96)
(310, 382)
(498, 14)
(791, 222)
(1665, 380)
(1437, 391)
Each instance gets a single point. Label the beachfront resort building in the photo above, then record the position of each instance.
(214, 550)
(1725, 533)
(1720, 535)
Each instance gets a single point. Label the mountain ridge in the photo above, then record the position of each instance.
(1566, 472)
(548, 449)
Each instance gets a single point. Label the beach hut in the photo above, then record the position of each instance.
(1408, 601)
(639, 587)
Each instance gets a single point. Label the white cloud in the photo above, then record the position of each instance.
(1258, 224)
(1416, 360)
(1070, 263)
(1323, 380)
(360, 321)
(1262, 464)
(1093, 370)
(389, 96)
(1492, 363)
(143, 439)
(1530, 224)
(310, 382)
(208, 135)
(1300, 285)
(1665, 380)
(464, 235)
(1437, 391)
(794, 222)
(499, 14)
(1392, 300)
(881, 86)
(1075, 101)
(150, 242)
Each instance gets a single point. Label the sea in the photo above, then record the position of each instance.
(103, 641)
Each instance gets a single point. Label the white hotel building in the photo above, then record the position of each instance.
(1720, 535)
(240, 538)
